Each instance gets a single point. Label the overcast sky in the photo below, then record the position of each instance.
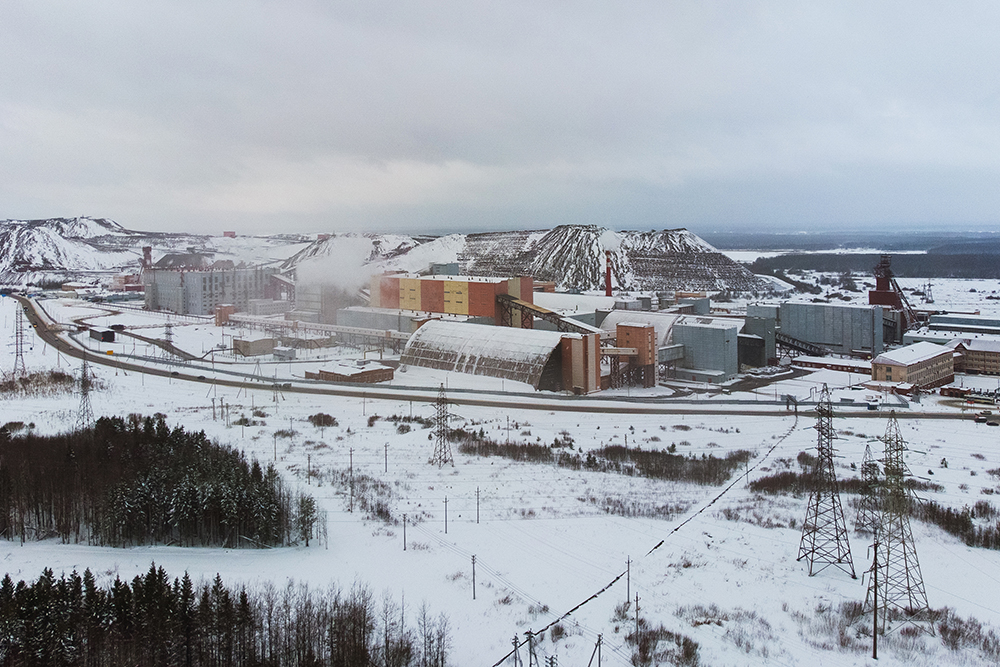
(288, 115)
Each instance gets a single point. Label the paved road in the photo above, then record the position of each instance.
(458, 397)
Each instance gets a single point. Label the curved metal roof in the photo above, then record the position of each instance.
(524, 355)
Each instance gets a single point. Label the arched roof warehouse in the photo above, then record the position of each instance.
(525, 355)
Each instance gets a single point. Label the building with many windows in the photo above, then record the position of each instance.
(977, 355)
(198, 292)
(924, 365)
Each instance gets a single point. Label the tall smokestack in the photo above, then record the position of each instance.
(607, 273)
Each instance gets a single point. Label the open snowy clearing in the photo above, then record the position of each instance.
(544, 541)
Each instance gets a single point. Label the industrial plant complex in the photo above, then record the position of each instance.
(512, 327)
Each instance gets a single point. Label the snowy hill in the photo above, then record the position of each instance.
(60, 249)
(29, 248)
(572, 256)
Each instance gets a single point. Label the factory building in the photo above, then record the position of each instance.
(453, 295)
(365, 371)
(968, 324)
(924, 365)
(842, 329)
(254, 346)
(703, 349)
(198, 292)
(977, 355)
(638, 368)
(711, 351)
(547, 360)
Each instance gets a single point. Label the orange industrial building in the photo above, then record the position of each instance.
(454, 295)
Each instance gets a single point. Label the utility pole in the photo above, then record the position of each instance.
(477, 505)
(628, 578)
(404, 532)
(597, 652)
(352, 480)
(387, 457)
(636, 619)
(446, 515)
(473, 576)
(824, 531)
(532, 658)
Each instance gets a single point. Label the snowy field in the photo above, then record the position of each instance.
(725, 575)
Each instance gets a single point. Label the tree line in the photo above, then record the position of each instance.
(155, 621)
(652, 463)
(931, 265)
(131, 481)
(959, 522)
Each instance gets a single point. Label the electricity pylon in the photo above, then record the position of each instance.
(19, 369)
(900, 585)
(85, 416)
(442, 449)
(867, 518)
(824, 532)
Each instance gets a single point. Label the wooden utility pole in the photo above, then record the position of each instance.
(473, 576)
(628, 578)
(446, 515)
(404, 532)
(636, 619)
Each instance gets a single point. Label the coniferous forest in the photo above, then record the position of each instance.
(154, 621)
(133, 481)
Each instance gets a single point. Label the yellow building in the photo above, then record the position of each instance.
(924, 365)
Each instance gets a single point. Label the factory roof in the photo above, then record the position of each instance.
(348, 370)
(446, 277)
(977, 344)
(479, 349)
(912, 354)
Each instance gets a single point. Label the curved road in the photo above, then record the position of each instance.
(458, 397)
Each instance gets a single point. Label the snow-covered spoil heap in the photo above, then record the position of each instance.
(572, 256)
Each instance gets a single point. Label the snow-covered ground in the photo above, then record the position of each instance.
(726, 574)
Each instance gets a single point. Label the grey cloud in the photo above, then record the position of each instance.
(322, 116)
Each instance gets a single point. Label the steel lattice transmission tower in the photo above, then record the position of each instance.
(442, 448)
(19, 369)
(900, 584)
(824, 532)
(869, 506)
(85, 416)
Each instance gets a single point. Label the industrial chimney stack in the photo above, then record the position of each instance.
(607, 273)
